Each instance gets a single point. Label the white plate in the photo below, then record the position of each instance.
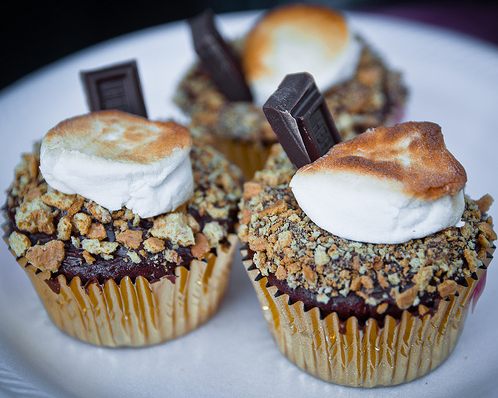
(453, 81)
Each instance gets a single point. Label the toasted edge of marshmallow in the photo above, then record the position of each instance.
(388, 185)
(299, 38)
(412, 155)
(118, 136)
(117, 159)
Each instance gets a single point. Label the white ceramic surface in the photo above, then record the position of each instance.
(453, 81)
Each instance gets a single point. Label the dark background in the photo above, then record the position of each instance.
(36, 33)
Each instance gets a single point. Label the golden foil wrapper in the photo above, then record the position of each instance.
(342, 352)
(249, 156)
(137, 313)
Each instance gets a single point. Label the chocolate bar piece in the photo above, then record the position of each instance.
(115, 87)
(299, 116)
(218, 58)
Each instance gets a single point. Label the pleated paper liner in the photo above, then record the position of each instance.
(137, 313)
(249, 156)
(347, 354)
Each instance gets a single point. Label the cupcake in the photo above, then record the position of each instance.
(366, 261)
(125, 228)
(360, 89)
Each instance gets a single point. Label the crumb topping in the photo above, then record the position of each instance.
(371, 99)
(54, 230)
(287, 244)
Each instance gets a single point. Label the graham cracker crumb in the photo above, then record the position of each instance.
(64, 228)
(201, 246)
(172, 256)
(122, 225)
(281, 272)
(382, 308)
(96, 246)
(422, 309)
(214, 233)
(76, 242)
(35, 216)
(258, 244)
(447, 287)
(82, 222)
(99, 212)
(130, 238)
(96, 231)
(192, 223)
(46, 257)
(19, 243)
(88, 257)
(154, 245)
(251, 189)
(76, 206)
(484, 203)
(58, 199)
(406, 299)
(174, 227)
(134, 257)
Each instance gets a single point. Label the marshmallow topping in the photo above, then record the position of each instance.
(388, 185)
(118, 159)
(299, 38)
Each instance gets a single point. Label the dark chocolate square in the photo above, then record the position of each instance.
(115, 87)
(299, 116)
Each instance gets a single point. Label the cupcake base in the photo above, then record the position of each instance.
(137, 313)
(343, 352)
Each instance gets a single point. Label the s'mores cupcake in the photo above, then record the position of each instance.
(125, 228)
(366, 260)
(360, 89)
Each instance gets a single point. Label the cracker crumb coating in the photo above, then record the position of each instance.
(52, 229)
(374, 97)
(286, 244)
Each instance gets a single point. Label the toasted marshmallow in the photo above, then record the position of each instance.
(387, 185)
(299, 38)
(117, 159)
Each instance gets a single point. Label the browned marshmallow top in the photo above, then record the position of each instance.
(315, 23)
(411, 154)
(119, 136)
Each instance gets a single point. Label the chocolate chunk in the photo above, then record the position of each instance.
(299, 116)
(218, 58)
(115, 87)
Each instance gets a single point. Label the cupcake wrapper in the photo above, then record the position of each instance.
(137, 313)
(344, 353)
(248, 156)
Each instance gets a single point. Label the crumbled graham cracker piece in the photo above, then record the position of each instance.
(407, 298)
(214, 233)
(484, 203)
(96, 231)
(201, 246)
(154, 245)
(82, 221)
(64, 228)
(88, 257)
(19, 243)
(447, 287)
(174, 227)
(131, 238)
(46, 257)
(99, 212)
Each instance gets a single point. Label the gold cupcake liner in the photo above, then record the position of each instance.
(137, 313)
(347, 354)
(246, 155)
